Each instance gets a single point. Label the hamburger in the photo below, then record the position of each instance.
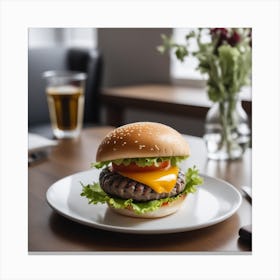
(140, 174)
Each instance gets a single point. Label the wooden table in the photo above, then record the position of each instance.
(174, 100)
(48, 231)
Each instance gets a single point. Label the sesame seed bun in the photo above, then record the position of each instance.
(142, 139)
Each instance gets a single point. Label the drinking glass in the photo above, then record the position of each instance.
(65, 96)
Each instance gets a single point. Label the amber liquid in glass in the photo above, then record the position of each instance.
(66, 107)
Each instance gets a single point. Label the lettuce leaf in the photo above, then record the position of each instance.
(192, 180)
(95, 194)
(142, 162)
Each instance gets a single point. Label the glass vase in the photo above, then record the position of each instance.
(227, 131)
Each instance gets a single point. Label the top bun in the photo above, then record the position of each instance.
(142, 139)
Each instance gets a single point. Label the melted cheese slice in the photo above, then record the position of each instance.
(160, 181)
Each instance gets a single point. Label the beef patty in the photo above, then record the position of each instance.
(117, 185)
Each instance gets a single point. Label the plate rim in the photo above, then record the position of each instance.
(129, 230)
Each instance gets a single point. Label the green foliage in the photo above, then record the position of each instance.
(167, 43)
(225, 60)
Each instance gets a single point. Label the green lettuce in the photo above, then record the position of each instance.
(142, 162)
(95, 194)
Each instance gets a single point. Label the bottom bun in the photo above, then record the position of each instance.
(163, 211)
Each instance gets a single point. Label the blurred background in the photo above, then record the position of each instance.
(114, 58)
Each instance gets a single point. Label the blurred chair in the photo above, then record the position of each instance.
(60, 58)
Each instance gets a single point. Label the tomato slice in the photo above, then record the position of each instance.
(133, 167)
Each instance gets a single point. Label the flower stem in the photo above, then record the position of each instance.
(227, 122)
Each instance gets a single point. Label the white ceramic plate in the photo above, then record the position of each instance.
(215, 201)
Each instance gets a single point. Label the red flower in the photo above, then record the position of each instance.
(224, 35)
(234, 39)
(221, 35)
